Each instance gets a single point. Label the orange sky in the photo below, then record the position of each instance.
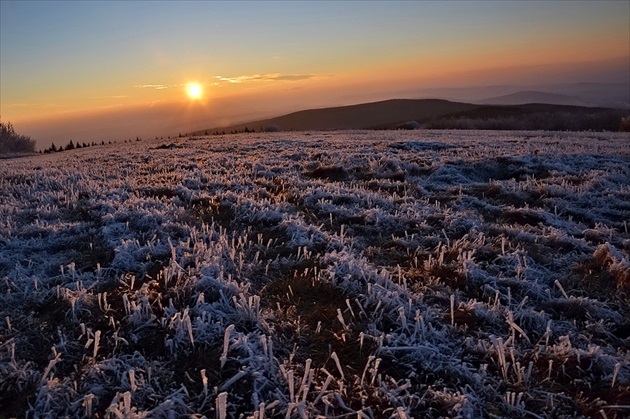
(79, 69)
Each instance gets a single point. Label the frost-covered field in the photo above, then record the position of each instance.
(355, 274)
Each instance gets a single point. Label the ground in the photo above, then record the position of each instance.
(359, 274)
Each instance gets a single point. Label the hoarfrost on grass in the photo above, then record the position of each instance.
(371, 274)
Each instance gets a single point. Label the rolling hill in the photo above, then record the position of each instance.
(438, 113)
(385, 114)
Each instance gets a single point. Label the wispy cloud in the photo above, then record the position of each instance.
(265, 77)
(155, 86)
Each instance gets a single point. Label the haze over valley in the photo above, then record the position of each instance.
(99, 71)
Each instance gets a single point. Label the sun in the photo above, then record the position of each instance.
(194, 91)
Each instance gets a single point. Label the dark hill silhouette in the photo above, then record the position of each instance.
(376, 115)
(436, 113)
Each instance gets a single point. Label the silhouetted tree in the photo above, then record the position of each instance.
(12, 142)
(70, 146)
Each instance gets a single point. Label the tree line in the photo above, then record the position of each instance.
(246, 130)
(12, 142)
(71, 145)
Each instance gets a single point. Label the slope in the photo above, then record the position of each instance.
(385, 114)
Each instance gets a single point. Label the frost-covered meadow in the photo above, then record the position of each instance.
(350, 274)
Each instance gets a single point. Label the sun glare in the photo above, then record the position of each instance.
(194, 90)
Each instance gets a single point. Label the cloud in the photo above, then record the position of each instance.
(266, 77)
(293, 77)
(154, 86)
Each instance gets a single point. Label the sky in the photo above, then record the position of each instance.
(111, 68)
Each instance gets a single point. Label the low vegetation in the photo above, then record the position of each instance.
(348, 274)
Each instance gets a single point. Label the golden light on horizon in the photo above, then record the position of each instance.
(194, 91)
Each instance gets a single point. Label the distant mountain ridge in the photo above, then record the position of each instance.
(412, 113)
(605, 95)
(533, 96)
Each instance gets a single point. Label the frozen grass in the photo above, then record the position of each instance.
(354, 274)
